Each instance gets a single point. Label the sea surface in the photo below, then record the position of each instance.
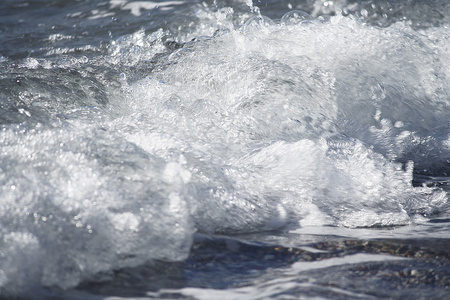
(227, 149)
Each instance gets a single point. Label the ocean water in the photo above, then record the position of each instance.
(224, 149)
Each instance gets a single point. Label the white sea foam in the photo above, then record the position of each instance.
(277, 111)
(253, 128)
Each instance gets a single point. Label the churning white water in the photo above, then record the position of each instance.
(240, 124)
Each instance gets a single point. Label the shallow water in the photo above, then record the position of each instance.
(224, 149)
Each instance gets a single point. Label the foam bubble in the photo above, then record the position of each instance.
(295, 17)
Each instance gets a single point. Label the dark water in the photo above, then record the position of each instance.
(224, 149)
